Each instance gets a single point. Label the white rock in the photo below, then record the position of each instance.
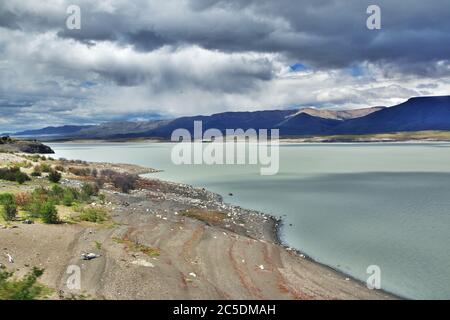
(10, 258)
(143, 263)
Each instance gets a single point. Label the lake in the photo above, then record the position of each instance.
(348, 206)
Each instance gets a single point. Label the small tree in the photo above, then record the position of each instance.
(9, 210)
(68, 198)
(21, 177)
(54, 176)
(49, 213)
(125, 182)
(25, 289)
(88, 190)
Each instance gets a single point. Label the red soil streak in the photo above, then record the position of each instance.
(187, 249)
(253, 290)
(282, 283)
(188, 245)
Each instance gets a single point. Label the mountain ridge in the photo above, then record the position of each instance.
(415, 114)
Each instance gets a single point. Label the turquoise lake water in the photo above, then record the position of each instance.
(348, 206)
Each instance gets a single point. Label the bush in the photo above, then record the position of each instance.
(80, 171)
(48, 213)
(25, 289)
(100, 182)
(125, 182)
(88, 190)
(21, 177)
(59, 168)
(9, 210)
(90, 214)
(5, 197)
(68, 198)
(13, 174)
(45, 167)
(34, 208)
(37, 171)
(57, 192)
(22, 199)
(54, 176)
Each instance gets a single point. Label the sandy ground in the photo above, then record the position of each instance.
(234, 258)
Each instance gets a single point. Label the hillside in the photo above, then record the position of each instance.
(8, 144)
(416, 114)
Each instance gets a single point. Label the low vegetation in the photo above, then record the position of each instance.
(138, 247)
(92, 214)
(27, 288)
(13, 174)
(209, 216)
(42, 204)
(123, 181)
(54, 176)
(8, 208)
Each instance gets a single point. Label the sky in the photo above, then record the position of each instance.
(140, 60)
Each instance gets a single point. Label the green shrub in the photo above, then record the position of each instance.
(25, 289)
(88, 190)
(9, 210)
(90, 214)
(48, 213)
(68, 198)
(4, 197)
(45, 167)
(37, 171)
(57, 192)
(34, 208)
(54, 176)
(13, 174)
(21, 177)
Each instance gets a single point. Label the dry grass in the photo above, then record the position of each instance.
(209, 216)
(136, 246)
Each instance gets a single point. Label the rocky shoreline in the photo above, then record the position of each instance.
(168, 240)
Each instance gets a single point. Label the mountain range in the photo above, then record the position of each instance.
(416, 114)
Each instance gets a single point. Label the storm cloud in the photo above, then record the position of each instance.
(140, 58)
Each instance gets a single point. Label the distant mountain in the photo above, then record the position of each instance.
(112, 129)
(64, 130)
(223, 121)
(339, 114)
(416, 114)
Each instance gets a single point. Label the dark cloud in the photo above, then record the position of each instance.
(200, 56)
(323, 33)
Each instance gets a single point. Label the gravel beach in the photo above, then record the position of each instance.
(204, 249)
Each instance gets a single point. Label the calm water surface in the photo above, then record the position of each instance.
(346, 205)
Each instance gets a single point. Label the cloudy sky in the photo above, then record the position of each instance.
(135, 60)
